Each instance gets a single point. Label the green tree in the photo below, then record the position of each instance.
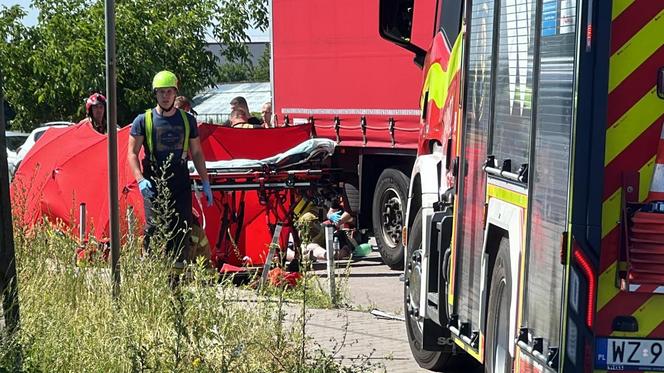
(231, 72)
(261, 72)
(12, 58)
(52, 67)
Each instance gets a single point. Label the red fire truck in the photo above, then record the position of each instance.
(532, 241)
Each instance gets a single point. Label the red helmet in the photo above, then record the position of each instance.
(94, 99)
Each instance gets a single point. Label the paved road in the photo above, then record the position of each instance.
(370, 285)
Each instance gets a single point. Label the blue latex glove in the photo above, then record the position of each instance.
(334, 217)
(208, 192)
(145, 187)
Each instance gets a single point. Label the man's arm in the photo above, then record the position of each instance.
(198, 158)
(134, 148)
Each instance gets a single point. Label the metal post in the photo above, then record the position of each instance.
(81, 226)
(270, 255)
(111, 122)
(329, 243)
(8, 279)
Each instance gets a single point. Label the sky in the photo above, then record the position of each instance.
(31, 19)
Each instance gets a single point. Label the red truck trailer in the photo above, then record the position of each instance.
(331, 67)
(535, 233)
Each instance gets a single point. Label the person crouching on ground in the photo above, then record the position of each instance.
(95, 111)
(167, 135)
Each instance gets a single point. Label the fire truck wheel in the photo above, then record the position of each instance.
(449, 357)
(498, 358)
(388, 215)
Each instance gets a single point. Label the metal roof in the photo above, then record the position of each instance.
(214, 106)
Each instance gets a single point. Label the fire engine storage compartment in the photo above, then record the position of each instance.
(330, 66)
(526, 119)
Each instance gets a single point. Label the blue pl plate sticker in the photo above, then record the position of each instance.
(600, 353)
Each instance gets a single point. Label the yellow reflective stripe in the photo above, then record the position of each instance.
(649, 315)
(476, 354)
(438, 80)
(632, 124)
(607, 286)
(611, 206)
(619, 6)
(645, 178)
(631, 55)
(148, 132)
(507, 195)
(185, 145)
(610, 212)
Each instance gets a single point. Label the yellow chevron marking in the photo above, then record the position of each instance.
(610, 212)
(632, 124)
(631, 55)
(607, 286)
(438, 80)
(649, 315)
(610, 218)
(645, 178)
(619, 6)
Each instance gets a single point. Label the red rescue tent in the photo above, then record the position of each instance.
(68, 166)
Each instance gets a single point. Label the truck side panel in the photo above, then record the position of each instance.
(329, 60)
(634, 123)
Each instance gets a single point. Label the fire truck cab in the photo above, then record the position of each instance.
(533, 239)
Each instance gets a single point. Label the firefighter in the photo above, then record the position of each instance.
(95, 111)
(167, 134)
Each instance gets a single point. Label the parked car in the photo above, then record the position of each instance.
(14, 141)
(34, 136)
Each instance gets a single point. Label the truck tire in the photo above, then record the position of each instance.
(450, 357)
(389, 214)
(498, 358)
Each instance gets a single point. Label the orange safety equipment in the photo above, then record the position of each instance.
(657, 185)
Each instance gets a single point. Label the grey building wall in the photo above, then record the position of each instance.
(256, 50)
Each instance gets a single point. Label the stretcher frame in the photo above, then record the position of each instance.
(279, 190)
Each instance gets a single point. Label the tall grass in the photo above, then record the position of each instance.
(71, 323)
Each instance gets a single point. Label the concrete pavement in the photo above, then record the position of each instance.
(354, 332)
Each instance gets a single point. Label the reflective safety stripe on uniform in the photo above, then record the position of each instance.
(148, 133)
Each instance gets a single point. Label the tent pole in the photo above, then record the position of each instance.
(111, 122)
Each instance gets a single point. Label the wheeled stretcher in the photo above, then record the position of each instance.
(249, 190)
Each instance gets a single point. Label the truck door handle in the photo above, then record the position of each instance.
(660, 82)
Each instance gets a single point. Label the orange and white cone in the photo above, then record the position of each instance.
(657, 185)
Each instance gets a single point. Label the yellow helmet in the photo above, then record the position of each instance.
(165, 79)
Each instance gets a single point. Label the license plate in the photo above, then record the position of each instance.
(618, 354)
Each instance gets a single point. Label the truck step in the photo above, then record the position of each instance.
(433, 312)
